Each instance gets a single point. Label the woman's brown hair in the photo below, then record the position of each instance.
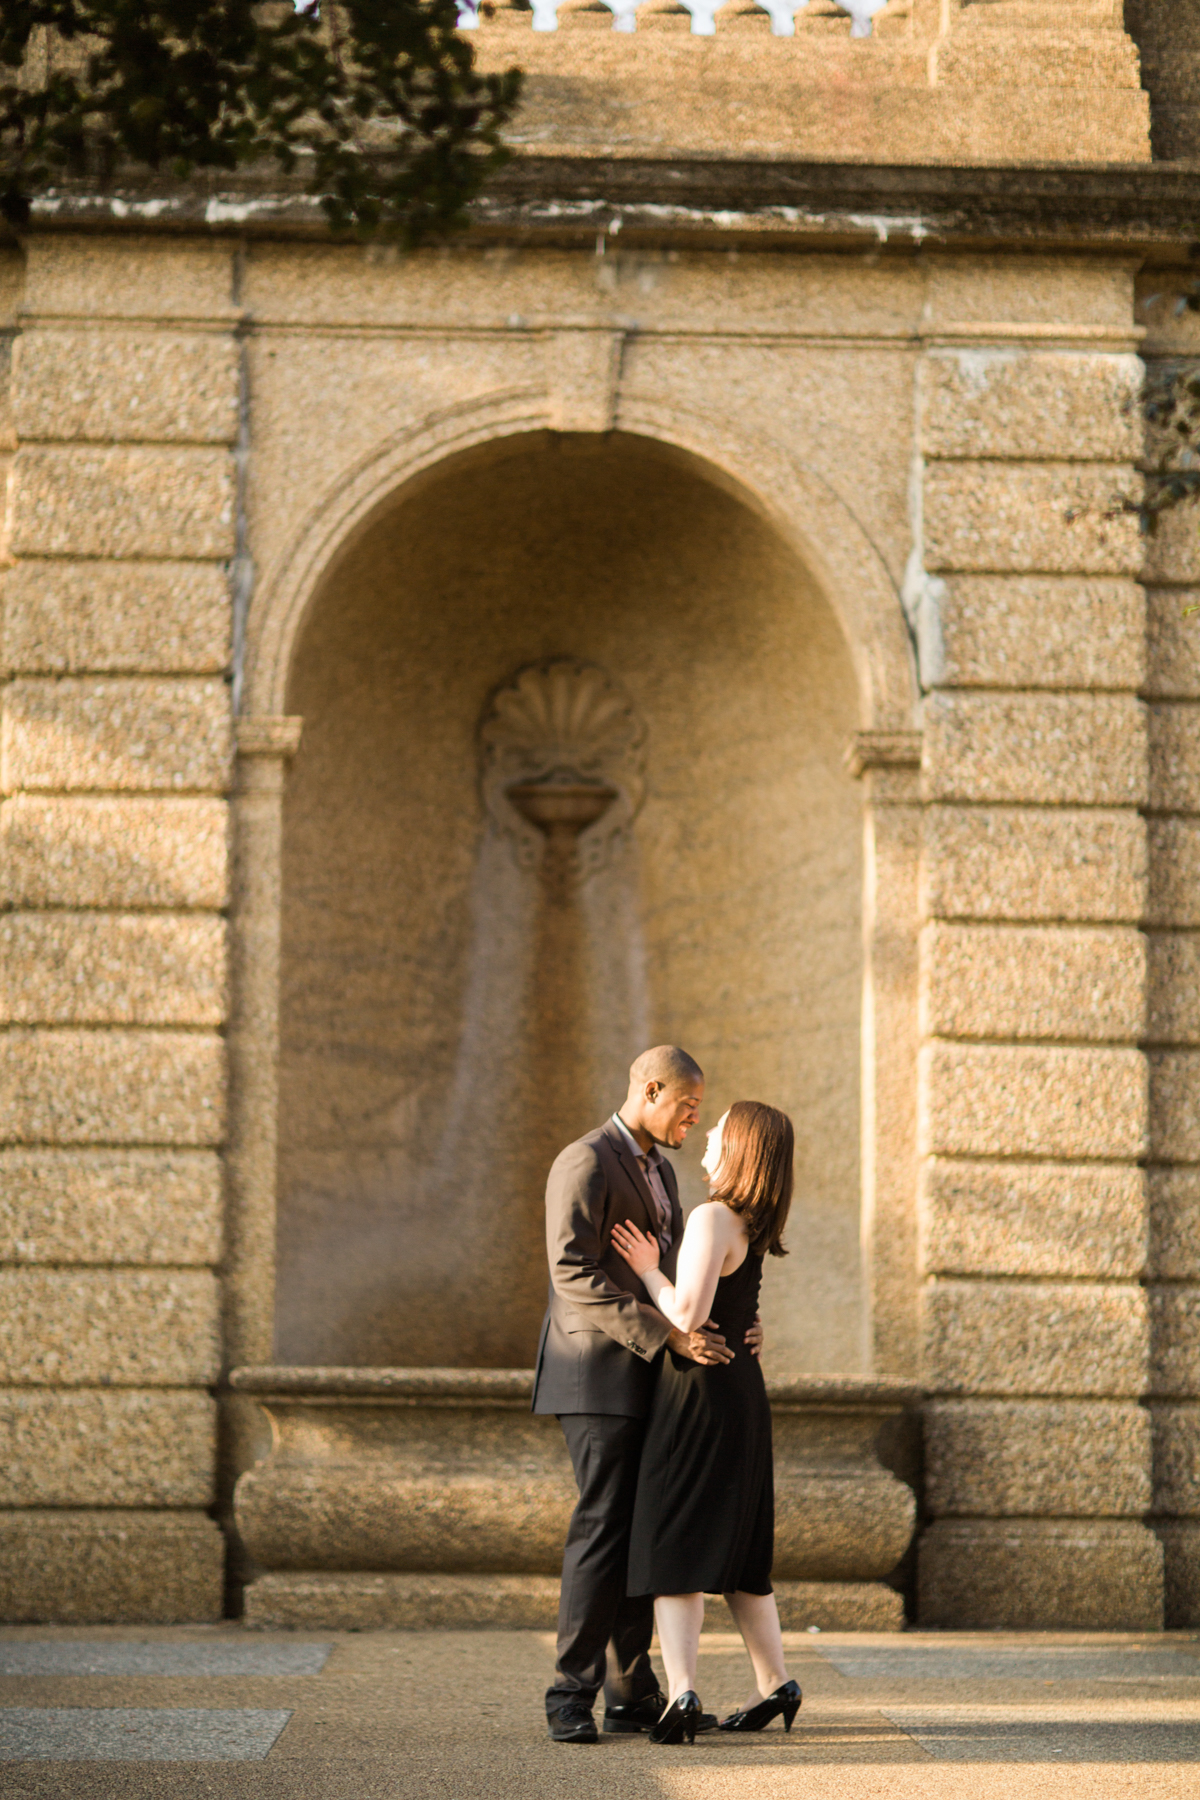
(758, 1147)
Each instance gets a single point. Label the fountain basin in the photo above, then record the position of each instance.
(434, 1496)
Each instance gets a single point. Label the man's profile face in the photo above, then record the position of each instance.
(671, 1112)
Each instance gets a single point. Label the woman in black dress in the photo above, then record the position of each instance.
(704, 1516)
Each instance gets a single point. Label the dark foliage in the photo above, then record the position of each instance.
(377, 103)
(1172, 407)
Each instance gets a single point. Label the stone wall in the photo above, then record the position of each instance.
(123, 411)
(929, 449)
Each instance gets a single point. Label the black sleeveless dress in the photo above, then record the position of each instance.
(704, 1515)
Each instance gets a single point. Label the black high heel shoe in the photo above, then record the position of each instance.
(785, 1700)
(679, 1721)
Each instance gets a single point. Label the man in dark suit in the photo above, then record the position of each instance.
(595, 1371)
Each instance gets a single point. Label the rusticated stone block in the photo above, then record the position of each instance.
(169, 618)
(124, 1327)
(1041, 1219)
(1176, 1459)
(1175, 1340)
(121, 386)
(1069, 405)
(122, 277)
(1175, 1105)
(981, 1100)
(111, 1087)
(120, 733)
(1173, 996)
(980, 290)
(126, 852)
(110, 1206)
(1023, 863)
(111, 1567)
(1173, 644)
(105, 968)
(1180, 1540)
(1175, 756)
(107, 1448)
(1047, 631)
(1004, 981)
(1057, 1459)
(1041, 1575)
(1027, 517)
(1174, 851)
(121, 503)
(1071, 750)
(1174, 1203)
(984, 1338)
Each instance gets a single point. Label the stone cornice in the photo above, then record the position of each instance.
(266, 735)
(1140, 209)
(483, 1386)
(883, 750)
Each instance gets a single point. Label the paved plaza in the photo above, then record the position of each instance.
(219, 1711)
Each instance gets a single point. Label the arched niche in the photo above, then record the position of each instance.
(420, 1097)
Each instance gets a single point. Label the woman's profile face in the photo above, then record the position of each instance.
(710, 1162)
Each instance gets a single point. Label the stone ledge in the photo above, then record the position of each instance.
(491, 1385)
(439, 1472)
(365, 1602)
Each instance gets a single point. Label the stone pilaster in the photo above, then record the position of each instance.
(889, 763)
(116, 759)
(265, 745)
(1034, 1110)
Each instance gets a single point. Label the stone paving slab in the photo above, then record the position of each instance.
(128, 1734)
(457, 1715)
(223, 1656)
(949, 1659)
(1052, 1733)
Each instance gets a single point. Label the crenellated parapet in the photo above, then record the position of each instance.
(955, 81)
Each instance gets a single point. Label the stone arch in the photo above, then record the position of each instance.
(794, 502)
(795, 499)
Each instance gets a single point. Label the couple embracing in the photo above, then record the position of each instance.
(649, 1358)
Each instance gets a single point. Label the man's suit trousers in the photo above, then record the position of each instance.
(594, 1609)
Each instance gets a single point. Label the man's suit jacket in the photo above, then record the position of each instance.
(600, 1334)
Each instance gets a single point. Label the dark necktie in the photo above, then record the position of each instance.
(662, 1211)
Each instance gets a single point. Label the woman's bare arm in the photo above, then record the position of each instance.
(712, 1233)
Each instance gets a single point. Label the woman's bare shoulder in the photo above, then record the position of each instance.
(716, 1219)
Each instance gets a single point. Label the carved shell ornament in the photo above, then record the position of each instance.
(562, 767)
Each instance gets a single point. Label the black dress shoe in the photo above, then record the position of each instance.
(573, 1724)
(679, 1721)
(785, 1700)
(640, 1715)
